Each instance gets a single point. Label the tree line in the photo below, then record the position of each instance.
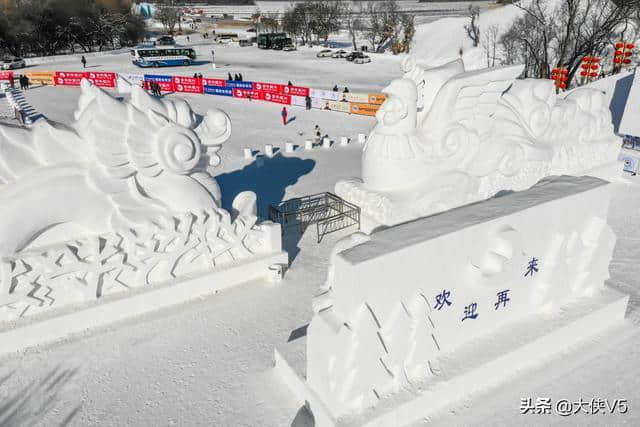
(549, 34)
(381, 23)
(51, 27)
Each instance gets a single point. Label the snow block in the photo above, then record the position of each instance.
(308, 144)
(289, 147)
(344, 141)
(419, 306)
(268, 150)
(326, 142)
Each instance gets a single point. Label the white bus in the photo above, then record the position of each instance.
(162, 56)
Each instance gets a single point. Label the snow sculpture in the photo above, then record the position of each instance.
(418, 317)
(445, 138)
(120, 199)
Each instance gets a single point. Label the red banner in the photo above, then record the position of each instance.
(277, 98)
(268, 87)
(187, 84)
(101, 79)
(6, 75)
(214, 82)
(296, 90)
(246, 93)
(69, 78)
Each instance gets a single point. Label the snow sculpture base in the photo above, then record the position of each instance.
(412, 320)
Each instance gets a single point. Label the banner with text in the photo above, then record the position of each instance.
(101, 79)
(364, 109)
(218, 90)
(165, 82)
(41, 77)
(277, 98)
(187, 84)
(6, 75)
(68, 78)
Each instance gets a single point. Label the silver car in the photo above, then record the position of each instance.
(340, 54)
(361, 59)
(324, 53)
(13, 63)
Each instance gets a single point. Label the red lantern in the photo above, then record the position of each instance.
(596, 59)
(627, 61)
(594, 66)
(585, 59)
(619, 45)
(616, 60)
(583, 73)
(594, 74)
(563, 78)
(555, 70)
(618, 53)
(563, 85)
(630, 46)
(628, 53)
(565, 71)
(554, 77)
(585, 66)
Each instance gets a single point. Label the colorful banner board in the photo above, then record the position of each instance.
(277, 98)
(364, 109)
(42, 77)
(187, 84)
(218, 90)
(214, 82)
(6, 75)
(165, 82)
(239, 84)
(69, 78)
(376, 98)
(324, 94)
(295, 90)
(134, 79)
(101, 79)
(268, 87)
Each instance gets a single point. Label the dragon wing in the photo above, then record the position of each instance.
(469, 98)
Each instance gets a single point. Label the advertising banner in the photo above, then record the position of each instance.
(68, 78)
(165, 82)
(101, 79)
(187, 84)
(248, 93)
(134, 79)
(214, 82)
(295, 90)
(277, 98)
(299, 101)
(376, 98)
(318, 103)
(364, 109)
(239, 85)
(360, 98)
(41, 77)
(6, 75)
(343, 107)
(218, 90)
(323, 94)
(268, 87)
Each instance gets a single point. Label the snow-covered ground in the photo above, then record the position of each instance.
(210, 362)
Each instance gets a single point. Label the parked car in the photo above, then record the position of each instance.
(13, 63)
(289, 48)
(251, 30)
(339, 54)
(362, 59)
(324, 53)
(353, 55)
(165, 41)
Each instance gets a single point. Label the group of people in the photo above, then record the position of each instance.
(236, 77)
(24, 82)
(197, 75)
(156, 90)
(335, 89)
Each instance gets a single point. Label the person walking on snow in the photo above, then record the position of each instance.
(84, 61)
(229, 77)
(284, 115)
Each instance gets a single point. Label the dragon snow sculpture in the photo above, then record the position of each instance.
(126, 185)
(445, 137)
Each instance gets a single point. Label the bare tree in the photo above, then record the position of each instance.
(472, 28)
(352, 18)
(490, 37)
(168, 17)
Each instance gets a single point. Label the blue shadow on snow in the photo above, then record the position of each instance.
(268, 181)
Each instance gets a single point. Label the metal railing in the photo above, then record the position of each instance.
(329, 212)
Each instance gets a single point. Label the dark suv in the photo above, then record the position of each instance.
(353, 55)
